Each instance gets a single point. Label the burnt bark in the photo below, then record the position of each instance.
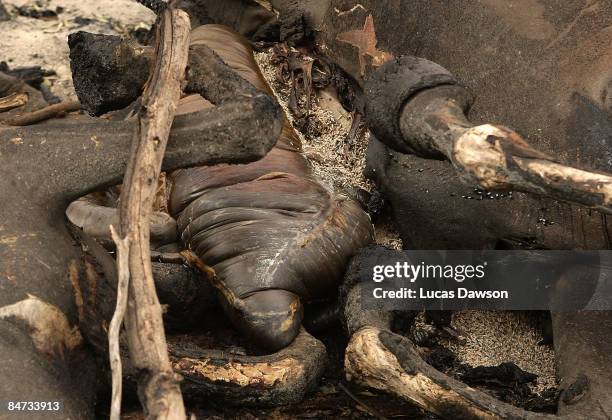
(108, 72)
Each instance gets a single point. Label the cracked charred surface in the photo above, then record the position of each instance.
(112, 60)
(279, 378)
(273, 234)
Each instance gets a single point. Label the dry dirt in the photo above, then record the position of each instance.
(29, 42)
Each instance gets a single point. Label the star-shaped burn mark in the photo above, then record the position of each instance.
(365, 40)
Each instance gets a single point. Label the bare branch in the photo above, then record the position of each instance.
(52, 111)
(123, 275)
(14, 100)
(158, 386)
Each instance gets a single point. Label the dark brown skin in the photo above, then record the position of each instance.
(273, 234)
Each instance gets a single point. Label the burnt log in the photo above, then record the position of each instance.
(108, 72)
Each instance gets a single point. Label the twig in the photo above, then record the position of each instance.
(354, 397)
(43, 114)
(191, 259)
(123, 275)
(12, 101)
(158, 386)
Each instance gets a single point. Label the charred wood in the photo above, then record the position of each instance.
(108, 72)
(416, 106)
(48, 112)
(33, 75)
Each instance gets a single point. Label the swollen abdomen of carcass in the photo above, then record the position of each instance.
(275, 236)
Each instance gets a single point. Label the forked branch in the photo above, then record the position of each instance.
(158, 386)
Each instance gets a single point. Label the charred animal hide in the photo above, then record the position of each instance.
(274, 235)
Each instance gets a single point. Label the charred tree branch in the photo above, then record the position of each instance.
(428, 118)
(52, 111)
(93, 152)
